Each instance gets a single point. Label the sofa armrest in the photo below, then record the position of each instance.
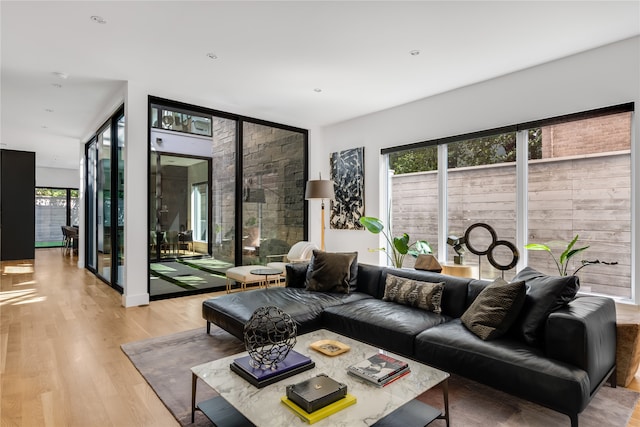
(583, 334)
(296, 274)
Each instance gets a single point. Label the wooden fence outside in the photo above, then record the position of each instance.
(588, 195)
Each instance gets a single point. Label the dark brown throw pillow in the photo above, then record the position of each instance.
(544, 295)
(495, 309)
(414, 293)
(331, 271)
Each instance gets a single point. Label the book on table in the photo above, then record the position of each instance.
(293, 364)
(321, 413)
(379, 369)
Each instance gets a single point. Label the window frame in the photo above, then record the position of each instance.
(522, 184)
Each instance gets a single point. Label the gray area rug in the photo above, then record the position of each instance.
(165, 364)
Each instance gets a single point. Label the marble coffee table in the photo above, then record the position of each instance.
(263, 407)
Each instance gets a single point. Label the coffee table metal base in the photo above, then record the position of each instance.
(416, 413)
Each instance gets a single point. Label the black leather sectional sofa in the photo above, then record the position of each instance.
(574, 356)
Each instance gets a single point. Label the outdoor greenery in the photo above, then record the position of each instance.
(563, 262)
(473, 152)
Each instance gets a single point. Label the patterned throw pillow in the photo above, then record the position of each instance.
(495, 309)
(414, 293)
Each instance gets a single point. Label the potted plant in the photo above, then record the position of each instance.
(400, 245)
(563, 262)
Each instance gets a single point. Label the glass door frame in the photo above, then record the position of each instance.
(111, 123)
(239, 156)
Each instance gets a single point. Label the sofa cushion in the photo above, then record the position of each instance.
(506, 364)
(495, 309)
(332, 272)
(389, 325)
(414, 293)
(232, 311)
(544, 295)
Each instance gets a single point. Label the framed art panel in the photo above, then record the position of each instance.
(347, 173)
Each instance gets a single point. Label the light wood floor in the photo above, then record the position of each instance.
(60, 358)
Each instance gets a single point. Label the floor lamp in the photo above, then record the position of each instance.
(320, 189)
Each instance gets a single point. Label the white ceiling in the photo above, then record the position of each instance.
(271, 56)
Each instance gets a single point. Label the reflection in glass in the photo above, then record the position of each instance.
(120, 185)
(103, 188)
(178, 206)
(92, 228)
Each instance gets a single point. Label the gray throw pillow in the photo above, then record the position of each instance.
(331, 271)
(544, 295)
(495, 309)
(414, 293)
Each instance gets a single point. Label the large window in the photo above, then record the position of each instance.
(579, 183)
(227, 193)
(273, 192)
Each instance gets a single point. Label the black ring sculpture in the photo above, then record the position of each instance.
(468, 241)
(514, 252)
(494, 243)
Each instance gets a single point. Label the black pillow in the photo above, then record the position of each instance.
(495, 309)
(544, 295)
(332, 272)
(296, 275)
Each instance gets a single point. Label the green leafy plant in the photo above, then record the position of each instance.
(400, 245)
(563, 262)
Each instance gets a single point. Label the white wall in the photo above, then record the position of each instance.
(598, 78)
(57, 177)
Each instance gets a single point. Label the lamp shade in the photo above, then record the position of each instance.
(319, 189)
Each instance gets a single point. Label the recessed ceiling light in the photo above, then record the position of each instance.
(414, 52)
(48, 110)
(318, 90)
(61, 75)
(98, 19)
(212, 55)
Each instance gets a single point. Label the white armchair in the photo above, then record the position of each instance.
(299, 252)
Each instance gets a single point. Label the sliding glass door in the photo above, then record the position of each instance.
(105, 201)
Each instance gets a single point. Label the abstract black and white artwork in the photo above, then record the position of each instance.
(347, 173)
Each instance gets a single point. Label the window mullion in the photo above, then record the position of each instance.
(522, 191)
(443, 223)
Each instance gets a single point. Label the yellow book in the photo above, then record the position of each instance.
(321, 413)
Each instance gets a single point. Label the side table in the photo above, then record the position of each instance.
(627, 352)
(460, 270)
(266, 272)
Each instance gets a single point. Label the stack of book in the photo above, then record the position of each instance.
(317, 398)
(379, 369)
(293, 364)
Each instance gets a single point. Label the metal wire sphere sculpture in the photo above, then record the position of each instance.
(268, 336)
